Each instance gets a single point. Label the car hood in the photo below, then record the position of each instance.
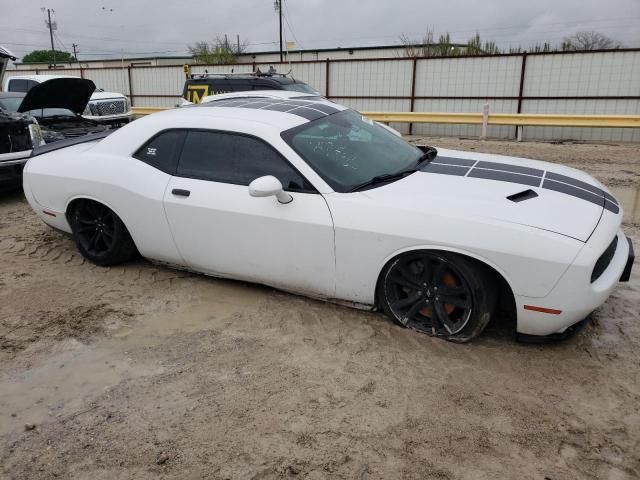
(472, 185)
(71, 93)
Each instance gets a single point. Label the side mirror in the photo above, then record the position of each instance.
(267, 186)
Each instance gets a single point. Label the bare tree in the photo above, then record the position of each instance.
(420, 48)
(427, 46)
(589, 40)
(218, 52)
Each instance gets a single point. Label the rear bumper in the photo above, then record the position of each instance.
(574, 297)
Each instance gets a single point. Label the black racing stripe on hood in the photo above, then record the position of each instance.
(463, 162)
(524, 176)
(510, 168)
(573, 191)
(612, 207)
(445, 169)
(505, 177)
(581, 184)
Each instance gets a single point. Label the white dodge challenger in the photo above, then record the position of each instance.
(311, 197)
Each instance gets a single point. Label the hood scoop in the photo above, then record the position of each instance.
(522, 196)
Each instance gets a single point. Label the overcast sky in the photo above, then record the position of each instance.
(113, 28)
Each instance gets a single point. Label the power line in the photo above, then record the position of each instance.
(286, 19)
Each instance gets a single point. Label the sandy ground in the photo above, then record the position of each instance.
(143, 372)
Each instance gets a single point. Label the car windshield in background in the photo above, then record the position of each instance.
(299, 87)
(51, 112)
(347, 150)
(10, 104)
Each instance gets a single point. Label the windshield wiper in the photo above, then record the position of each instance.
(427, 157)
(385, 177)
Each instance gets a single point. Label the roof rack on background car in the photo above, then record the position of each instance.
(237, 75)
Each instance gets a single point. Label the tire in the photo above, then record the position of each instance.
(100, 235)
(438, 293)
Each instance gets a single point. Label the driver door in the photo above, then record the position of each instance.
(221, 230)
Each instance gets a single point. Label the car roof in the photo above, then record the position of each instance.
(42, 78)
(278, 113)
(307, 109)
(12, 94)
(276, 94)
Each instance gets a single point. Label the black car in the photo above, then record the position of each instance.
(19, 133)
(197, 86)
(57, 105)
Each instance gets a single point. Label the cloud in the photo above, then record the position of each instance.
(114, 28)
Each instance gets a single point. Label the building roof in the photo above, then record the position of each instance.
(249, 53)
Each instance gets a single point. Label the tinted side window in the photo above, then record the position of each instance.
(31, 84)
(237, 159)
(162, 150)
(18, 86)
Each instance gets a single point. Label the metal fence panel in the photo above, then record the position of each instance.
(371, 78)
(109, 79)
(610, 81)
(157, 81)
(583, 74)
(468, 76)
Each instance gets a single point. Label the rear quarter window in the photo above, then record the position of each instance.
(162, 150)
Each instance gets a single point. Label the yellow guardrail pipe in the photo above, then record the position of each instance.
(514, 119)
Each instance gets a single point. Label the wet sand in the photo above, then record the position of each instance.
(140, 371)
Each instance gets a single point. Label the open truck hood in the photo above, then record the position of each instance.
(71, 93)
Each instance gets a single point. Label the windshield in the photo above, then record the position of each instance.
(10, 104)
(51, 112)
(347, 150)
(299, 87)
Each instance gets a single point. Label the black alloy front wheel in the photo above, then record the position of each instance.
(438, 293)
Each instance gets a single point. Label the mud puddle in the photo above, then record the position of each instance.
(68, 381)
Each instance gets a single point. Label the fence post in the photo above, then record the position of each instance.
(130, 84)
(326, 79)
(523, 67)
(413, 92)
(485, 121)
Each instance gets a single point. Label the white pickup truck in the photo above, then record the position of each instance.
(104, 107)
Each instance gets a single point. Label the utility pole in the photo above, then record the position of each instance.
(52, 27)
(75, 54)
(277, 4)
(238, 44)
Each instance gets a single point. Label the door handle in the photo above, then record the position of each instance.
(180, 192)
